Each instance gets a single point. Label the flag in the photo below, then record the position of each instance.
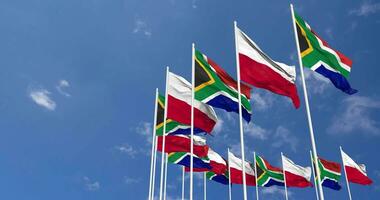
(217, 163)
(220, 178)
(183, 158)
(330, 174)
(172, 127)
(236, 171)
(268, 175)
(216, 88)
(179, 105)
(181, 143)
(318, 56)
(295, 175)
(355, 173)
(259, 70)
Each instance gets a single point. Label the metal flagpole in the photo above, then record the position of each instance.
(204, 186)
(240, 113)
(283, 171)
(229, 175)
(154, 167)
(163, 135)
(307, 104)
(166, 175)
(257, 186)
(151, 185)
(345, 174)
(192, 119)
(315, 181)
(183, 183)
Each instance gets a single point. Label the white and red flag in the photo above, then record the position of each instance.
(236, 172)
(296, 176)
(259, 70)
(179, 105)
(355, 173)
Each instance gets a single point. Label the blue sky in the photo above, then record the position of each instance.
(78, 78)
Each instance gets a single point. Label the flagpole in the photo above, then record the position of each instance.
(229, 175)
(163, 134)
(315, 181)
(192, 120)
(183, 183)
(307, 104)
(154, 167)
(345, 174)
(204, 186)
(151, 185)
(283, 171)
(166, 175)
(257, 186)
(240, 114)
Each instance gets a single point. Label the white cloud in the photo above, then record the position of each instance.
(283, 137)
(274, 190)
(262, 100)
(141, 27)
(366, 8)
(127, 149)
(218, 126)
(356, 115)
(41, 97)
(145, 129)
(316, 83)
(194, 4)
(91, 185)
(129, 180)
(329, 32)
(256, 131)
(62, 84)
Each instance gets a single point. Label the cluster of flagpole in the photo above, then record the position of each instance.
(164, 156)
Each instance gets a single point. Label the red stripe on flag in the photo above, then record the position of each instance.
(237, 177)
(180, 111)
(262, 76)
(293, 180)
(344, 59)
(181, 144)
(356, 176)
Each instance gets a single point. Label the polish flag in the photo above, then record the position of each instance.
(296, 176)
(259, 70)
(182, 143)
(236, 171)
(179, 105)
(355, 173)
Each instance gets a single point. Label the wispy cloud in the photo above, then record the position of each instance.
(42, 98)
(142, 28)
(91, 185)
(194, 4)
(218, 126)
(275, 190)
(366, 8)
(126, 149)
(145, 129)
(62, 85)
(329, 33)
(356, 115)
(283, 137)
(256, 131)
(316, 82)
(262, 100)
(130, 180)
